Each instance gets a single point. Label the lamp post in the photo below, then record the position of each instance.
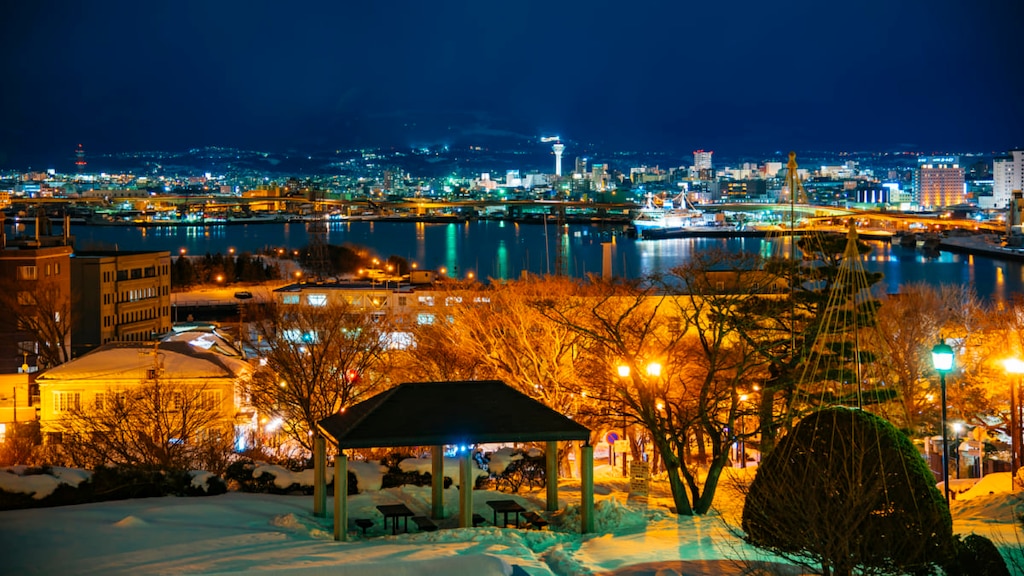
(623, 370)
(1014, 366)
(942, 360)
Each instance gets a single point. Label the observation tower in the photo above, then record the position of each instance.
(558, 148)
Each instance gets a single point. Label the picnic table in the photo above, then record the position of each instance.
(394, 511)
(506, 507)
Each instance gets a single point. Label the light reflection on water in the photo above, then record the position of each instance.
(504, 249)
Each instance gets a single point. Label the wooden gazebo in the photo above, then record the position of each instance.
(460, 414)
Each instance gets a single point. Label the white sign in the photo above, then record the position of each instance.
(639, 479)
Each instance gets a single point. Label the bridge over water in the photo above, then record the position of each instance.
(612, 211)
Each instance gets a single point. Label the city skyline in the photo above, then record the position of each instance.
(736, 78)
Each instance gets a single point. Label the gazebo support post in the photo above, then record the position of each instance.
(587, 489)
(341, 497)
(320, 476)
(437, 482)
(551, 475)
(466, 490)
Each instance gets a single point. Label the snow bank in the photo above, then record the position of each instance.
(14, 480)
(990, 484)
(201, 479)
(369, 475)
(499, 460)
(451, 468)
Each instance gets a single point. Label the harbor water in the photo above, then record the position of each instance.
(503, 250)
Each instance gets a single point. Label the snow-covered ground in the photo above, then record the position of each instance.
(238, 532)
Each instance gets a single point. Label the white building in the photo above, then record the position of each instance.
(119, 368)
(1007, 176)
(702, 159)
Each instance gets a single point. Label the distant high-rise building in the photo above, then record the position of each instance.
(1007, 177)
(80, 159)
(558, 148)
(939, 182)
(599, 176)
(702, 160)
(581, 165)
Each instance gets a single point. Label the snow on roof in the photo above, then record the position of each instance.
(205, 338)
(133, 360)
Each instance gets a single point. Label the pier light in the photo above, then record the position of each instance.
(231, 251)
(182, 251)
(470, 275)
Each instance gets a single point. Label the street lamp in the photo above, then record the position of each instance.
(1014, 366)
(942, 360)
(623, 370)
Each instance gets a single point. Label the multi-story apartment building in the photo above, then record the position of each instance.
(120, 296)
(35, 280)
(939, 182)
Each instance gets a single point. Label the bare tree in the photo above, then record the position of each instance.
(158, 424)
(317, 360)
(41, 310)
(908, 327)
(633, 325)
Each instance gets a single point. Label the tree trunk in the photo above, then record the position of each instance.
(675, 482)
(766, 421)
(702, 451)
(707, 496)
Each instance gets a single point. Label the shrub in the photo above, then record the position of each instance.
(845, 491)
(977, 556)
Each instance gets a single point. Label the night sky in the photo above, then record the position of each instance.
(736, 76)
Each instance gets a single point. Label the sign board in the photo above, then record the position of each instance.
(611, 437)
(620, 446)
(971, 448)
(639, 479)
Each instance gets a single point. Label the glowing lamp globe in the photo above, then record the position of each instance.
(942, 357)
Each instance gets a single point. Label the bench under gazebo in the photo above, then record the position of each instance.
(439, 414)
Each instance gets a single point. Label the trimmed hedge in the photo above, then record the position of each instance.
(114, 483)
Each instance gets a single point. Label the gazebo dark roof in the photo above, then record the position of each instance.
(439, 413)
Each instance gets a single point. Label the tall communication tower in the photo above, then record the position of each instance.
(80, 159)
(558, 148)
(318, 260)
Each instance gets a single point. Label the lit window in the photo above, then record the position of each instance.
(424, 318)
(211, 399)
(27, 273)
(426, 300)
(290, 299)
(65, 401)
(316, 299)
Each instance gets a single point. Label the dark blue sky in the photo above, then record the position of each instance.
(735, 76)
